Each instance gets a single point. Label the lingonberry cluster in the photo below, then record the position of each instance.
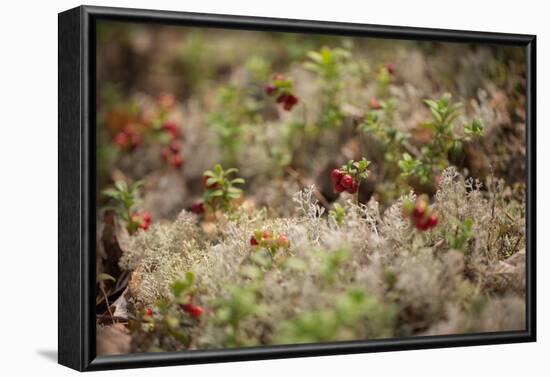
(349, 176)
(190, 308)
(142, 220)
(281, 87)
(172, 154)
(269, 240)
(128, 138)
(420, 213)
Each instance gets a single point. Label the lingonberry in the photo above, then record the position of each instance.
(290, 101)
(270, 89)
(176, 161)
(336, 175)
(149, 312)
(121, 139)
(196, 311)
(197, 208)
(172, 129)
(347, 181)
(254, 241)
(375, 104)
(354, 187)
(175, 146)
(283, 241)
(339, 188)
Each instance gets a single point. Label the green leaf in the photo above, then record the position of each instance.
(238, 181)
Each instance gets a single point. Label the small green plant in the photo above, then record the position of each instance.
(241, 304)
(463, 232)
(353, 311)
(433, 157)
(331, 262)
(127, 199)
(235, 110)
(329, 64)
(220, 188)
(338, 214)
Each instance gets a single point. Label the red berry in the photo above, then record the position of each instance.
(282, 98)
(253, 241)
(283, 241)
(353, 189)
(336, 175)
(166, 153)
(146, 217)
(339, 188)
(186, 307)
(270, 89)
(172, 128)
(149, 312)
(289, 102)
(347, 181)
(422, 224)
(420, 208)
(267, 234)
(175, 146)
(433, 220)
(196, 311)
(375, 104)
(176, 161)
(197, 208)
(121, 139)
(391, 68)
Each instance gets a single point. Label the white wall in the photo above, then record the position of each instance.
(28, 184)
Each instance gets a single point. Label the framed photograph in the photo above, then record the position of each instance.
(239, 188)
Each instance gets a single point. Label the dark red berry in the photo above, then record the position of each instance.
(353, 189)
(419, 209)
(175, 146)
(171, 128)
(197, 208)
(147, 217)
(433, 220)
(121, 139)
(282, 98)
(347, 181)
(166, 153)
(196, 311)
(176, 161)
(289, 102)
(336, 175)
(253, 241)
(270, 89)
(339, 188)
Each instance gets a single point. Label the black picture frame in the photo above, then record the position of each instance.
(76, 188)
